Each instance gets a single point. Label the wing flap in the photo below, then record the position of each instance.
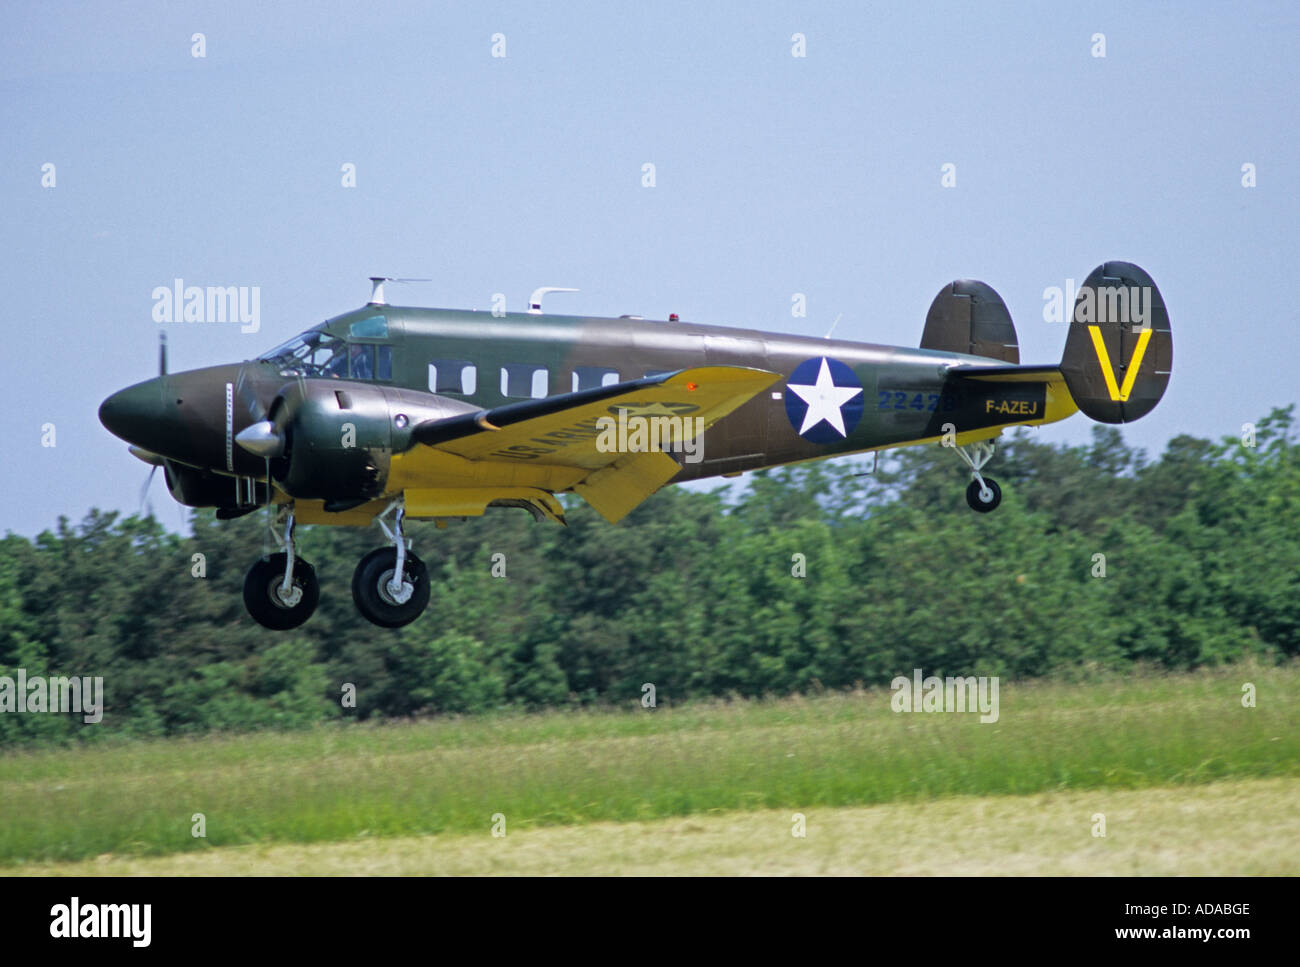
(614, 491)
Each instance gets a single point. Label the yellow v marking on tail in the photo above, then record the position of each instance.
(1119, 393)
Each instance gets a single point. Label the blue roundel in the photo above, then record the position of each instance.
(823, 399)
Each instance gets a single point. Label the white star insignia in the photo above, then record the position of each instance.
(825, 400)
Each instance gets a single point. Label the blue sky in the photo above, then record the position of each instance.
(774, 175)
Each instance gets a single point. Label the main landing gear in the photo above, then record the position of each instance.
(281, 590)
(390, 586)
(983, 494)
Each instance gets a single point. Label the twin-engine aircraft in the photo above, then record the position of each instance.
(387, 413)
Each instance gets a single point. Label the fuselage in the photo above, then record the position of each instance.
(903, 395)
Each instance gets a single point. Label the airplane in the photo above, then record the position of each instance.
(388, 413)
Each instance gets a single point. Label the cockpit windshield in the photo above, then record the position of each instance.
(317, 353)
(314, 353)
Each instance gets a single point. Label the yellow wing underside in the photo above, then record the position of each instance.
(578, 448)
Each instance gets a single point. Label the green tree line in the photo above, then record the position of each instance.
(814, 576)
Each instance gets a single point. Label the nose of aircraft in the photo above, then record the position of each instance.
(135, 412)
(191, 417)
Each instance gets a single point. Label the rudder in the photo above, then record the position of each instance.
(1119, 350)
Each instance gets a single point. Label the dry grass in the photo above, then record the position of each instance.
(1224, 828)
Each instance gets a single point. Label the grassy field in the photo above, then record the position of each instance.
(810, 755)
(1230, 828)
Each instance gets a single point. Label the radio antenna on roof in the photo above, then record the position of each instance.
(535, 300)
(377, 287)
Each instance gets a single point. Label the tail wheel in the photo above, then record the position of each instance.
(266, 600)
(976, 495)
(374, 597)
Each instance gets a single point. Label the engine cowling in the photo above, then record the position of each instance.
(339, 436)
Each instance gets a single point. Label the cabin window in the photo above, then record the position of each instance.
(372, 327)
(525, 381)
(453, 376)
(589, 377)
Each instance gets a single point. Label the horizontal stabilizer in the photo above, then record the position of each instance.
(1009, 374)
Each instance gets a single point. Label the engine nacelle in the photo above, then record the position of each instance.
(340, 435)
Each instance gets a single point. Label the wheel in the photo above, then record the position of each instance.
(370, 588)
(262, 595)
(974, 498)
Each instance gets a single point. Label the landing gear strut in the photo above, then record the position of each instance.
(281, 590)
(983, 494)
(391, 585)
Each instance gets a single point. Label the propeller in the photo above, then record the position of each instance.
(250, 402)
(261, 438)
(153, 459)
(144, 492)
(164, 385)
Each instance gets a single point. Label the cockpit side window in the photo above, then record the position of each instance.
(361, 361)
(318, 353)
(368, 361)
(314, 353)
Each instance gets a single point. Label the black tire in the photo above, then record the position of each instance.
(261, 592)
(973, 496)
(371, 596)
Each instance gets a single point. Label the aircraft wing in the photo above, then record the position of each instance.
(564, 430)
